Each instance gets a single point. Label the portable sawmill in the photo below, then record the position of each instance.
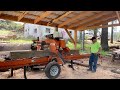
(51, 53)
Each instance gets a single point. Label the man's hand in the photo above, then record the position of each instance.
(98, 53)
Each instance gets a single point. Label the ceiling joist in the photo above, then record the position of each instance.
(96, 21)
(102, 19)
(79, 19)
(118, 15)
(22, 15)
(82, 14)
(106, 21)
(39, 18)
(60, 17)
(94, 27)
(88, 19)
(24, 20)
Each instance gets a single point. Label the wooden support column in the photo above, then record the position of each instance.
(70, 36)
(75, 38)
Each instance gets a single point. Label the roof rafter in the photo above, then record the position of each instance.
(22, 15)
(102, 19)
(105, 21)
(61, 16)
(118, 15)
(25, 20)
(88, 19)
(39, 18)
(104, 26)
(96, 21)
(74, 18)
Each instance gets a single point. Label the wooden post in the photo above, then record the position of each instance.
(70, 36)
(75, 38)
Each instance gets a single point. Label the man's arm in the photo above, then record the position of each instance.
(100, 49)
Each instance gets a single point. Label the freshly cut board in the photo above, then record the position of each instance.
(29, 53)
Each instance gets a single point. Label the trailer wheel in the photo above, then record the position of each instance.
(52, 70)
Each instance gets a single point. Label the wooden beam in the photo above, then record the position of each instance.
(88, 19)
(70, 36)
(25, 20)
(0, 12)
(60, 17)
(118, 15)
(14, 18)
(75, 38)
(22, 15)
(96, 21)
(94, 27)
(39, 18)
(28, 54)
(105, 18)
(105, 21)
(82, 14)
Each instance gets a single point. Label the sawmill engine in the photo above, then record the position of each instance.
(41, 45)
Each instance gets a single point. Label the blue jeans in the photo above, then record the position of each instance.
(93, 62)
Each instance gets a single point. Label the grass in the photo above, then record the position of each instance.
(5, 32)
(78, 47)
(87, 49)
(20, 41)
(71, 45)
(15, 41)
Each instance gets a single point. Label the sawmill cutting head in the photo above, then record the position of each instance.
(53, 44)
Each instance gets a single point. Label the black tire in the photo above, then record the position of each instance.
(50, 67)
(54, 60)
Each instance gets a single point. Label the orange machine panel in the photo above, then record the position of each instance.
(62, 43)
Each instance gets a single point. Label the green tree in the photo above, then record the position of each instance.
(80, 38)
(104, 38)
(10, 25)
(95, 32)
(83, 40)
(111, 41)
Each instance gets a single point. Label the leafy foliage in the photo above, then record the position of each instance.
(10, 25)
